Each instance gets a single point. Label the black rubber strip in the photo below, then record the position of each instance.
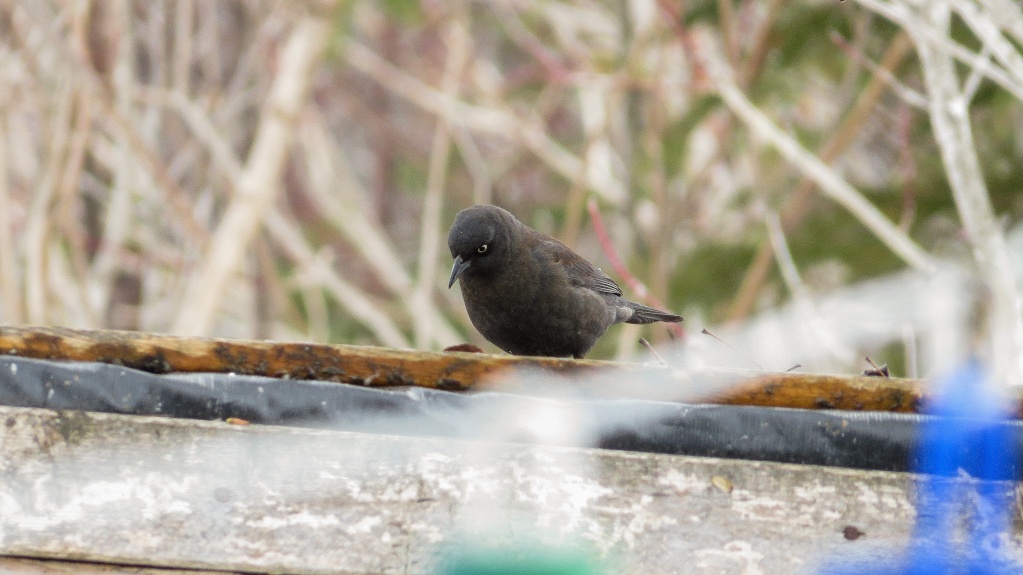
(862, 440)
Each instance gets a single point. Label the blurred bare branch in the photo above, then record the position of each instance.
(902, 14)
(9, 271)
(259, 180)
(337, 194)
(423, 309)
(821, 332)
(155, 174)
(38, 227)
(951, 124)
(827, 179)
(496, 122)
(322, 272)
(795, 208)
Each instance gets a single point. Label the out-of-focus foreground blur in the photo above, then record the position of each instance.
(814, 181)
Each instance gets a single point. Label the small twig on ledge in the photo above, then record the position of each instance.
(630, 280)
(881, 371)
(733, 348)
(653, 351)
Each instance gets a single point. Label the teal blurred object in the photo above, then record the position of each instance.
(517, 561)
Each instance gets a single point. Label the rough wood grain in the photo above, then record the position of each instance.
(810, 391)
(22, 566)
(374, 366)
(362, 365)
(189, 494)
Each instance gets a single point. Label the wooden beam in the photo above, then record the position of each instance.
(23, 566)
(378, 367)
(159, 492)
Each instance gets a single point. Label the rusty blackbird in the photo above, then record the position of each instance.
(528, 293)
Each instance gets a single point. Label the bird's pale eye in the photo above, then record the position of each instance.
(482, 249)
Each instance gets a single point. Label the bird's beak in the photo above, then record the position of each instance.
(457, 269)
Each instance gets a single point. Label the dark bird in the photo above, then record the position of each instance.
(528, 293)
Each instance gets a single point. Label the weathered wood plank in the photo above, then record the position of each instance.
(175, 493)
(374, 366)
(363, 365)
(22, 566)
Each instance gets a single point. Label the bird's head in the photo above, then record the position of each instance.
(479, 241)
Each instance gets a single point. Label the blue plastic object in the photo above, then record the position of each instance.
(966, 446)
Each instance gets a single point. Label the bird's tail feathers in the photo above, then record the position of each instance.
(643, 314)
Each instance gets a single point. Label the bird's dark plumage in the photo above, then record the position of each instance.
(528, 293)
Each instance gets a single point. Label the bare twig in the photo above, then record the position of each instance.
(907, 168)
(336, 191)
(616, 262)
(73, 310)
(183, 16)
(706, 331)
(904, 16)
(424, 311)
(909, 345)
(652, 351)
(143, 152)
(823, 334)
(203, 128)
(783, 256)
(482, 181)
(908, 95)
(726, 19)
(99, 281)
(259, 181)
(796, 205)
(827, 179)
(496, 122)
(38, 227)
(976, 74)
(759, 45)
(984, 27)
(1010, 16)
(9, 292)
(347, 295)
(951, 124)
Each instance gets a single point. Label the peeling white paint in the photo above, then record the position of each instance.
(280, 500)
(740, 552)
(150, 496)
(303, 518)
(867, 494)
(364, 525)
(9, 507)
(682, 482)
(812, 492)
(759, 508)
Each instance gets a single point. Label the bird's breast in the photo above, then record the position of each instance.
(535, 314)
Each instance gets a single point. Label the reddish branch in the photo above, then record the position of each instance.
(630, 280)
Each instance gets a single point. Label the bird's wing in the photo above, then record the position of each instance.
(579, 271)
